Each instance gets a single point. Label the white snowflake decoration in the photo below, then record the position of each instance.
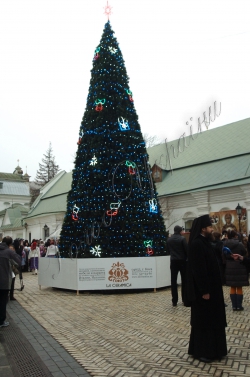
(93, 161)
(113, 50)
(153, 205)
(96, 250)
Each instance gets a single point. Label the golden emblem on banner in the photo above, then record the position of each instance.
(118, 273)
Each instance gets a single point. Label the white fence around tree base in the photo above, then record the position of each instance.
(104, 273)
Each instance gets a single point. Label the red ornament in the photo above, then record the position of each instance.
(99, 107)
(131, 170)
(96, 56)
(150, 251)
(110, 213)
(74, 216)
(79, 141)
(131, 98)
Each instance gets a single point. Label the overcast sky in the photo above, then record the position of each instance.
(180, 55)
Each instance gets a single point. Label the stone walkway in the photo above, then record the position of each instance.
(133, 334)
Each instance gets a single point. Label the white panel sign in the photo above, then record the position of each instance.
(105, 273)
(116, 273)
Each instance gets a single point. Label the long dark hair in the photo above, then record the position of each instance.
(16, 244)
(232, 234)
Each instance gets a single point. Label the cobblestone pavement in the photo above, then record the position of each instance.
(133, 334)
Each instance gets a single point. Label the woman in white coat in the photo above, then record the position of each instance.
(34, 255)
(52, 250)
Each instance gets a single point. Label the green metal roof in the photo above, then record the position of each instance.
(20, 188)
(54, 199)
(46, 188)
(16, 224)
(15, 216)
(50, 205)
(211, 145)
(11, 177)
(62, 186)
(232, 171)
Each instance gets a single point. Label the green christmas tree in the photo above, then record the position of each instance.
(112, 207)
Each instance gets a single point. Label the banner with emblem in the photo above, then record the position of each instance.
(117, 273)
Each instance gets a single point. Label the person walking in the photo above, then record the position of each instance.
(205, 294)
(8, 258)
(34, 256)
(26, 249)
(52, 250)
(14, 273)
(177, 248)
(235, 273)
(42, 249)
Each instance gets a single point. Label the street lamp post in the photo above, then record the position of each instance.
(25, 225)
(239, 211)
(45, 230)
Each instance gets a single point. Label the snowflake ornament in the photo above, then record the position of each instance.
(93, 161)
(96, 251)
(113, 50)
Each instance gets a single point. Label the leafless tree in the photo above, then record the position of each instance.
(151, 140)
(167, 208)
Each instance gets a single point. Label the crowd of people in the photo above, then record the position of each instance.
(206, 262)
(29, 254)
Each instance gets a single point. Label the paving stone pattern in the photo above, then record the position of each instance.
(5, 368)
(133, 334)
(32, 351)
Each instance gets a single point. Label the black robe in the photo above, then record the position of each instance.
(208, 317)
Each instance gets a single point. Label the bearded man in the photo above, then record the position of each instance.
(208, 317)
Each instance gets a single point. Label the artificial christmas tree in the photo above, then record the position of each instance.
(112, 207)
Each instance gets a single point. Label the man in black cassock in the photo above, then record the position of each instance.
(204, 288)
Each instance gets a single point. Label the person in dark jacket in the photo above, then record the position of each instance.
(248, 245)
(235, 273)
(18, 247)
(204, 288)
(177, 248)
(218, 244)
(8, 258)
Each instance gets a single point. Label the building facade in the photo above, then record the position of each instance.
(205, 173)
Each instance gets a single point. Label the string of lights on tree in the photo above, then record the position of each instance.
(112, 207)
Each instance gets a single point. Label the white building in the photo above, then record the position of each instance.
(46, 214)
(14, 201)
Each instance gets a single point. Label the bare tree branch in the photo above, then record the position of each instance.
(151, 140)
(167, 209)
